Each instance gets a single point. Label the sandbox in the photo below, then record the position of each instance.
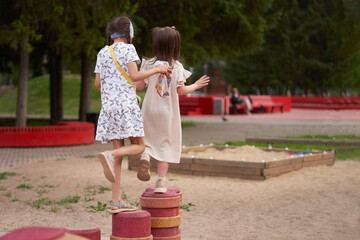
(246, 162)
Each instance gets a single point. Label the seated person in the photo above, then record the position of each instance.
(236, 99)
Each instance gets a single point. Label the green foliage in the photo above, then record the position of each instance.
(309, 48)
(98, 208)
(39, 97)
(225, 28)
(327, 137)
(187, 124)
(8, 195)
(24, 185)
(69, 199)
(4, 175)
(342, 152)
(39, 203)
(187, 206)
(102, 189)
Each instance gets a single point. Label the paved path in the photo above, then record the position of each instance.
(295, 123)
(213, 129)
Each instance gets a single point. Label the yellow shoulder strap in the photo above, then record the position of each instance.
(120, 68)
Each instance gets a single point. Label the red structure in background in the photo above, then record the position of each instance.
(218, 105)
(62, 134)
(325, 102)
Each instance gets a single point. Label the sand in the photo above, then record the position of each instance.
(311, 203)
(243, 153)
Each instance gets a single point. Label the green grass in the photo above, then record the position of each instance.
(39, 97)
(326, 137)
(4, 175)
(24, 185)
(187, 124)
(342, 152)
(187, 207)
(98, 208)
(47, 202)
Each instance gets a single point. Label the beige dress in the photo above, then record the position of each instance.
(162, 122)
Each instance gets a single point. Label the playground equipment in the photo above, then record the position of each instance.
(165, 212)
(262, 170)
(158, 219)
(92, 234)
(62, 134)
(131, 225)
(41, 233)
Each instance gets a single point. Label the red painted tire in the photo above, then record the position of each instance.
(165, 232)
(34, 233)
(118, 238)
(177, 237)
(93, 234)
(136, 224)
(165, 213)
(30, 233)
(162, 212)
(160, 200)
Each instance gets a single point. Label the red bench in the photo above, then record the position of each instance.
(189, 105)
(260, 103)
(324, 102)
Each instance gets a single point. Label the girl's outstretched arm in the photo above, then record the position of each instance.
(183, 90)
(137, 75)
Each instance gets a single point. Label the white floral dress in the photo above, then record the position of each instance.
(162, 122)
(120, 116)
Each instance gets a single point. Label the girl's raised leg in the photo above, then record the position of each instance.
(136, 147)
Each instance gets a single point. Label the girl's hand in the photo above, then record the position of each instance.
(165, 69)
(203, 81)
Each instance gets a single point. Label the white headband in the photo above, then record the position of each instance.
(116, 35)
(131, 30)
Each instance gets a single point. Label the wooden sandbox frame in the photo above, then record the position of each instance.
(242, 169)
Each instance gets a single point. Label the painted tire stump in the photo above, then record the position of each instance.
(92, 234)
(41, 233)
(134, 225)
(165, 212)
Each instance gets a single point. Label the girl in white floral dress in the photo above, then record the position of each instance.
(120, 116)
(162, 123)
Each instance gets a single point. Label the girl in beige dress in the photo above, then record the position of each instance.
(161, 111)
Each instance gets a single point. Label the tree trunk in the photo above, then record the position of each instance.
(85, 92)
(23, 83)
(56, 88)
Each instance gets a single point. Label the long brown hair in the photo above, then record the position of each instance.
(166, 44)
(119, 25)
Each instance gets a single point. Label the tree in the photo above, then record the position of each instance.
(351, 47)
(209, 28)
(301, 52)
(18, 34)
(90, 18)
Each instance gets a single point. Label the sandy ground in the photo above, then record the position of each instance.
(311, 203)
(244, 153)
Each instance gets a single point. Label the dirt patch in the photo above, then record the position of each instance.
(312, 203)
